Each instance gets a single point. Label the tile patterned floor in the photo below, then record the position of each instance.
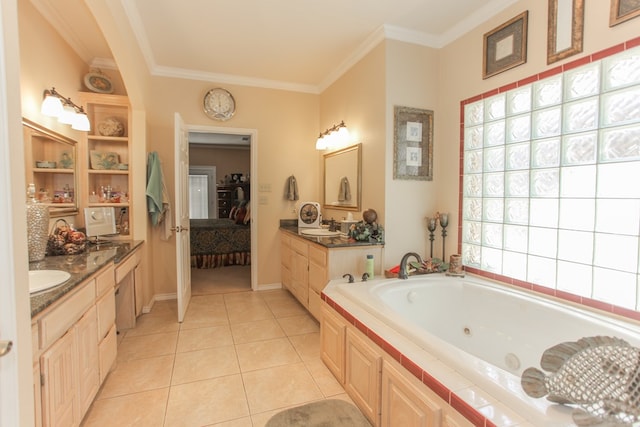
(236, 360)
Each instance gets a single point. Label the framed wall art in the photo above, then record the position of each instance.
(505, 47)
(413, 144)
(565, 29)
(623, 10)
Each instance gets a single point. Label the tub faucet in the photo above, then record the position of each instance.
(402, 273)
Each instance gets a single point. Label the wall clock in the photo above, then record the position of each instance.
(219, 104)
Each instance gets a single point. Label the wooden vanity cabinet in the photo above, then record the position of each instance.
(72, 351)
(307, 267)
(386, 393)
(362, 374)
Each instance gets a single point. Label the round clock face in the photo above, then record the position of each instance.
(219, 104)
(308, 213)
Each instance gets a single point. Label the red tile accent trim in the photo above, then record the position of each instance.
(508, 87)
(436, 386)
(600, 305)
(577, 63)
(608, 52)
(411, 367)
(467, 411)
(633, 43)
(528, 80)
(543, 290)
(490, 93)
(621, 311)
(549, 73)
(568, 296)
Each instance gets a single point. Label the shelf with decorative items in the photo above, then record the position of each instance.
(106, 154)
(50, 166)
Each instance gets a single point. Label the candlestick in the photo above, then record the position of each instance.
(444, 221)
(431, 226)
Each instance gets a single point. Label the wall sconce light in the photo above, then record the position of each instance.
(334, 137)
(55, 104)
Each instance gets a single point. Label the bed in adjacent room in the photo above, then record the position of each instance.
(219, 243)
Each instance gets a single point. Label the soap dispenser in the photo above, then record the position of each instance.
(37, 226)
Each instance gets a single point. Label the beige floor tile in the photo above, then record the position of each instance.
(206, 402)
(276, 294)
(144, 346)
(243, 297)
(152, 323)
(206, 301)
(298, 325)
(285, 307)
(145, 409)
(200, 338)
(307, 345)
(205, 316)
(240, 422)
(165, 307)
(259, 330)
(326, 381)
(204, 364)
(240, 313)
(269, 389)
(266, 354)
(138, 375)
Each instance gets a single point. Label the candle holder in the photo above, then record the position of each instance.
(444, 222)
(431, 226)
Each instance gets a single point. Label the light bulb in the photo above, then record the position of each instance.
(68, 115)
(51, 105)
(81, 122)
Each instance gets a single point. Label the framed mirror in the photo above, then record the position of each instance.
(50, 164)
(343, 178)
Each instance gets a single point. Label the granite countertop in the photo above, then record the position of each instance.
(80, 266)
(326, 241)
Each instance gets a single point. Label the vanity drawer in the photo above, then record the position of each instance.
(300, 246)
(105, 280)
(318, 255)
(106, 307)
(56, 323)
(127, 265)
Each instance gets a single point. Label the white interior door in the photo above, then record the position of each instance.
(183, 243)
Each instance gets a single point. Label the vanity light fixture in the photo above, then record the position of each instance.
(334, 137)
(54, 104)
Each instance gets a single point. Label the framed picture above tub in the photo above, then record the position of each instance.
(412, 144)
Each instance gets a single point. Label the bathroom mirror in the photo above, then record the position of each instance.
(50, 164)
(343, 178)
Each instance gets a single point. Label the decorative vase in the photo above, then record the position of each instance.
(37, 226)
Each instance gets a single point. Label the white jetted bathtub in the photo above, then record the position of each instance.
(486, 333)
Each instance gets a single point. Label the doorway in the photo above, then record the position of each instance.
(222, 255)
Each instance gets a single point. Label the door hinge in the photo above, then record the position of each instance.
(42, 380)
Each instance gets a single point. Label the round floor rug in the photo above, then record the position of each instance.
(324, 413)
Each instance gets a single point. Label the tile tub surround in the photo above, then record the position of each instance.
(236, 360)
(446, 332)
(80, 267)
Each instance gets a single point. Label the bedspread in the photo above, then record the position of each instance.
(219, 243)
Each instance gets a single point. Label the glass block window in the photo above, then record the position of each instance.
(551, 182)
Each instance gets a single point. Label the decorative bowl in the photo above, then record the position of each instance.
(111, 127)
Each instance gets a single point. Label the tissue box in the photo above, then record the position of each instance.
(345, 224)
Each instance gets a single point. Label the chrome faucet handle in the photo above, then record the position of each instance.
(365, 276)
(350, 276)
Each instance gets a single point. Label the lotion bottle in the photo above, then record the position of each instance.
(369, 266)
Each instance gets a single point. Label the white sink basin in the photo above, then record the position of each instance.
(41, 280)
(319, 232)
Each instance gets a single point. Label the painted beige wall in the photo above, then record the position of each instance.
(460, 77)
(411, 81)
(358, 98)
(226, 160)
(286, 124)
